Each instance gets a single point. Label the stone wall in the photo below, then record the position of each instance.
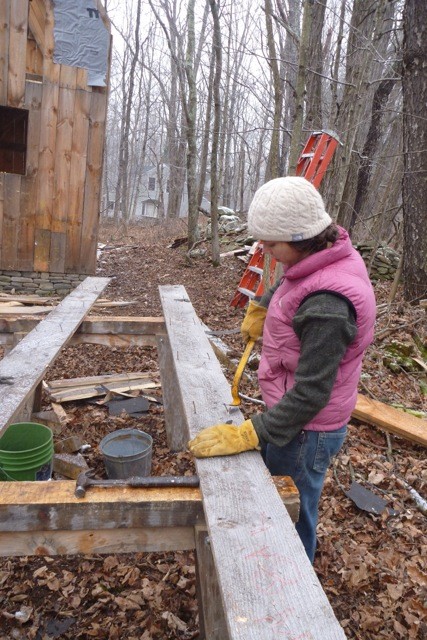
(39, 283)
(384, 264)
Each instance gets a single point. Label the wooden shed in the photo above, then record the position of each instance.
(52, 129)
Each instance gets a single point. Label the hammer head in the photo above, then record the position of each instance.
(83, 481)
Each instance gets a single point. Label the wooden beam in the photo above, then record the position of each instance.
(393, 420)
(17, 47)
(267, 584)
(44, 518)
(49, 543)
(118, 325)
(36, 23)
(112, 332)
(27, 363)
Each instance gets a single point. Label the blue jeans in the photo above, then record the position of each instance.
(306, 459)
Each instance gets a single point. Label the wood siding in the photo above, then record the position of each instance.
(49, 217)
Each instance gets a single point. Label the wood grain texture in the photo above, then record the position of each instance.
(17, 52)
(49, 543)
(11, 201)
(212, 620)
(393, 420)
(92, 192)
(4, 49)
(78, 160)
(34, 58)
(116, 325)
(26, 225)
(36, 22)
(267, 583)
(28, 361)
(45, 194)
(175, 418)
(62, 168)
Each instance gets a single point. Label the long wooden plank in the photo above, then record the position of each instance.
(4, 49)
(44, 518)
(268, 587)
(113, 332)
(27, 363)
(62, 162)
(17, 50)
(141, 539)
(48, 132)
(36, 22)
(27, 217)
(12, 195)
(92, 188)
(78, 161)
(95, 380)
(137, 325)
(393, 420)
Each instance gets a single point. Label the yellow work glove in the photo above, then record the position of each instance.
(224, 440)
(253, 322)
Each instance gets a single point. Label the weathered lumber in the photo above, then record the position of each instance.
(393, 420)
(7, 309)
(45, 518)
(27, 363)
(96, 380)
(268, 587)
(114, 332)
(81, 393)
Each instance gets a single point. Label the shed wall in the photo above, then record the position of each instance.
(49, 217)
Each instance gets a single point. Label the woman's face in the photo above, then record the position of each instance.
(282, 252)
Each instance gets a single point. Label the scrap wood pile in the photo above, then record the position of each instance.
(371, 563)
(122, 395)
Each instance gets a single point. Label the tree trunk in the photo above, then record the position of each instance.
(295, 149)
(215, 138)
(313, 117)
(122, 198)
(415, 149)
(381, 96)
(191, 113)
(273, 168)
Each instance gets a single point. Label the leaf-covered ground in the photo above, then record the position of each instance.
(372, 567)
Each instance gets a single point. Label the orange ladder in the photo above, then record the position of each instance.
(312, 164)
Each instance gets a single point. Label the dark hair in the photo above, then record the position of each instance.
(319, 242)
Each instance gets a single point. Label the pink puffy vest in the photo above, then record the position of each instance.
(339, 269)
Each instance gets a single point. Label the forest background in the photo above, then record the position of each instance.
(225, 94)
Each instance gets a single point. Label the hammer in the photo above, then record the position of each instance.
(86, 479)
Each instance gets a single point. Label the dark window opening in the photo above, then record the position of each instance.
(13, 140)
(151, 184)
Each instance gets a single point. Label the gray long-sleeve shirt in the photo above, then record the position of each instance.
(325, 324)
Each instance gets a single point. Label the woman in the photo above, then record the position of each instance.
(316, 324)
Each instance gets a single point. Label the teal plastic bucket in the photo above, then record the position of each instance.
(26, 452)
(127, 453)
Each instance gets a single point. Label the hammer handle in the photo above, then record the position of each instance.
(160, 481)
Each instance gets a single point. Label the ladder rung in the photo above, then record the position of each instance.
(306, 155)
(257, 270)
(246, 292)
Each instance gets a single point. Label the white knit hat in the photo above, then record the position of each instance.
(287, 209)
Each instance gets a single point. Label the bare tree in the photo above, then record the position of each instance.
(415, 149)
(273, 164)
(121, 196)
(215, 137)
(300, 87)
